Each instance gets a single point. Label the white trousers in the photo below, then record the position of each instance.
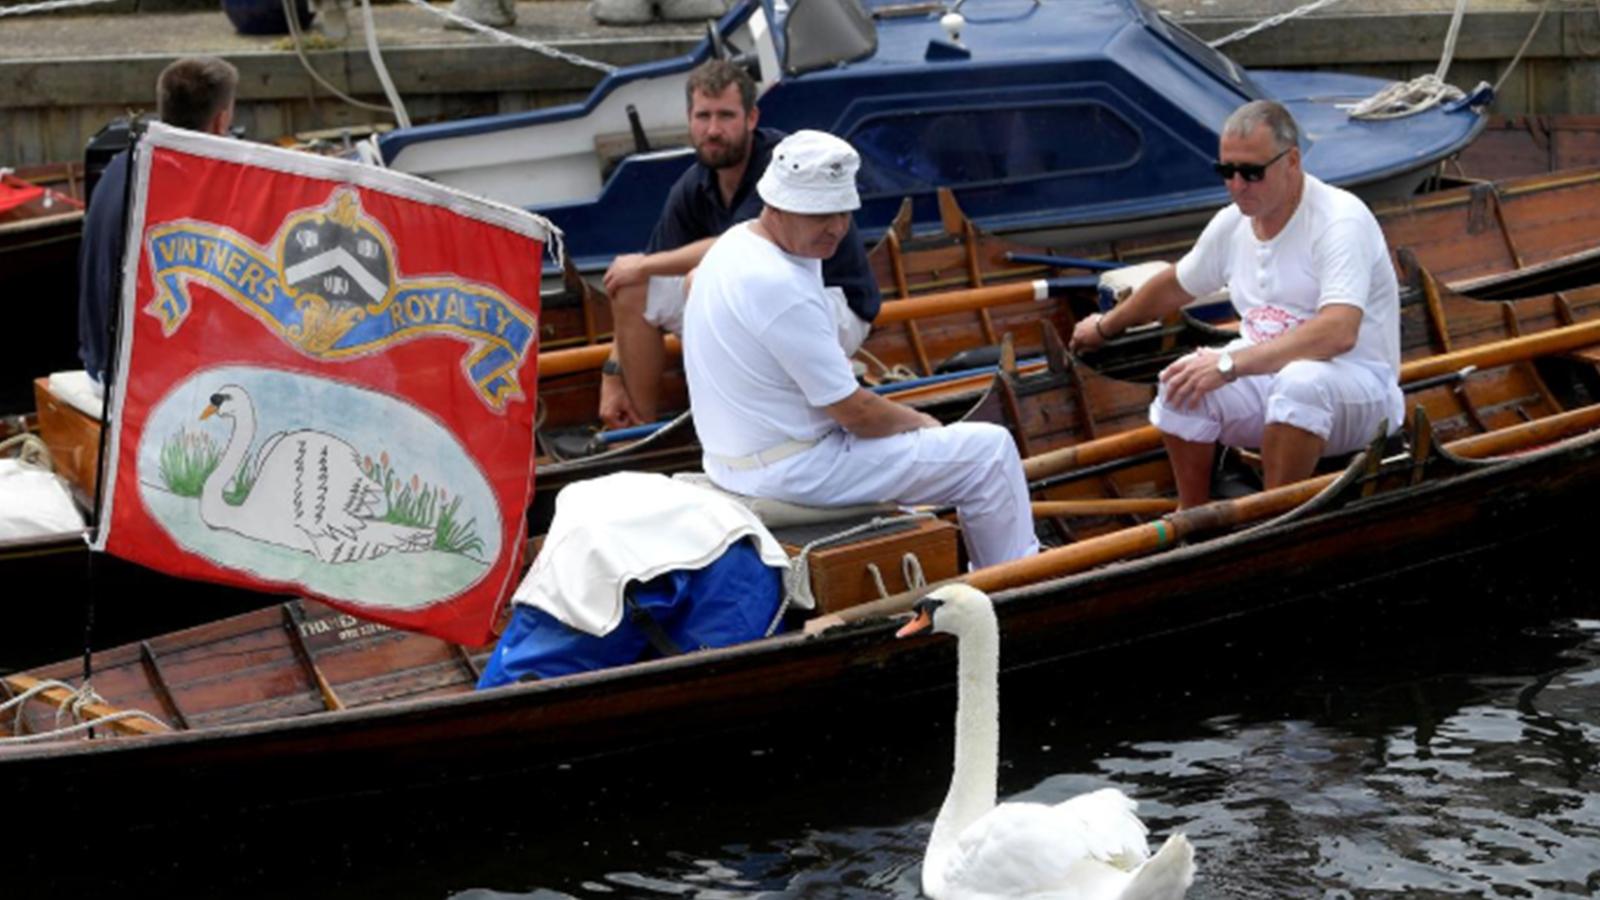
(973, 466)
(1339, 401)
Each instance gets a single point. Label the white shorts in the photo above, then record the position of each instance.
(1339, 401)
(665, 299)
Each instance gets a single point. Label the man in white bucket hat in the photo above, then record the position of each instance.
(776, 406)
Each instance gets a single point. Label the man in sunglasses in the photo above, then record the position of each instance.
(1315, 369)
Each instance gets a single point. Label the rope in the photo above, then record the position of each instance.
(911, 571)
(72, 705)
(82, 726)
(299, 50)
(1537, 21)
(887, 374)
(18, 699)
(513, 40)
(400, 117)
(23, 9)
(34, 453)
(1421, 93)
(797, 583)
(1271, 22)
(877, 580)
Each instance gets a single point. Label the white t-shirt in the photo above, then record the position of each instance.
(1331, 251)
(760, 347)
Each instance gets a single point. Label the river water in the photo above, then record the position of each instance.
(1432, 736)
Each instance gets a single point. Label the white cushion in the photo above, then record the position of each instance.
(783, 514)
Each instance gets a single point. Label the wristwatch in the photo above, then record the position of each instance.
(1225, 366)
(611, 366)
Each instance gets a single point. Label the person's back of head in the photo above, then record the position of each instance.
(193, 91)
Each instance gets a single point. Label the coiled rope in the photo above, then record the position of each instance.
(72, 705)
(1407, 98)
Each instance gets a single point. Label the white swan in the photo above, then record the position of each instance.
(1091, 847)
(309, 493)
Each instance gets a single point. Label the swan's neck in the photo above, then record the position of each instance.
(214, 510)
(972, 787)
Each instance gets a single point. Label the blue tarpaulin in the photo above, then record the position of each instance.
(731, 600)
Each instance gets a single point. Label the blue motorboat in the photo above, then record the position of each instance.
(1051, 119)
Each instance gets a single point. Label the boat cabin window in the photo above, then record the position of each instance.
(1199, 51)
(920, 150)
(821, 34)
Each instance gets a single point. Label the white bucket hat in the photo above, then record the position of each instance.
(811, 172)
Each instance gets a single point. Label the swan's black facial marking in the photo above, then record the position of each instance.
(929, 605)
(218, 399)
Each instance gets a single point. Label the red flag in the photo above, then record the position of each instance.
(325, 383)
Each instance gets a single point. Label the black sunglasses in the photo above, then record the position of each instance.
(1251, 172)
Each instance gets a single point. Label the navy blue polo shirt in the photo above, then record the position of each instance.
(695, 210)
(99, 258)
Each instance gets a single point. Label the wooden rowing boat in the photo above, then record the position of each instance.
(1513, 227)
(41, 216)
(1505, 430)
(1513, 146)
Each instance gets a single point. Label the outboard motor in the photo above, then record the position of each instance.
(112, 138)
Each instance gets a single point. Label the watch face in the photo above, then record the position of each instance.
(1225, 364)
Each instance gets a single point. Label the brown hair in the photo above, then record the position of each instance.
(713, 76)
(191, 91)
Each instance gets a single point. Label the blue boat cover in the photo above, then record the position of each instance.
(730, 601)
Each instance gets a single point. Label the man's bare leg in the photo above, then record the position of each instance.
(1191, 466)
(641, 351)
(1289, 454)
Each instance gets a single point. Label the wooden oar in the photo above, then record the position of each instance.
(1219, 515)
(581, 359)
(1483, 356)
(1110, 506)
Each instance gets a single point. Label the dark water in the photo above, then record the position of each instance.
(1435, 736)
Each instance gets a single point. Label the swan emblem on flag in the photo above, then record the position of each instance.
(310, 491)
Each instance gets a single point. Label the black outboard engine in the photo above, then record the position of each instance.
(112, 138)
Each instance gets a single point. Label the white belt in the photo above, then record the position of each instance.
(765, 457)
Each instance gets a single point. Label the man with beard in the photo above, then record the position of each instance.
(647, 289)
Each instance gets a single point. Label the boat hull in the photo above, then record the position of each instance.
(796, 679)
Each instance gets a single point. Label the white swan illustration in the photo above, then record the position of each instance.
(1091, 847)
(309, 494)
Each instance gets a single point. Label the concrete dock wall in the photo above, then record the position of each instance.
(62, 76)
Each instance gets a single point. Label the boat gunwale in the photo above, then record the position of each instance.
(705, 663)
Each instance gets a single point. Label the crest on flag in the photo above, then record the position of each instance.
(327, 390)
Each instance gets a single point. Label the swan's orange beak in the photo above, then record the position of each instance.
(208, 412)
(921, 622)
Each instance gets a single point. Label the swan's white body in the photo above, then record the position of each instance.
(1091, 847)
(309, 494)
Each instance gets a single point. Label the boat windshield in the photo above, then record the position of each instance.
(821, 34)
(1199, 51)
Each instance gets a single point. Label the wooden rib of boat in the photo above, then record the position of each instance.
(1506, 433)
